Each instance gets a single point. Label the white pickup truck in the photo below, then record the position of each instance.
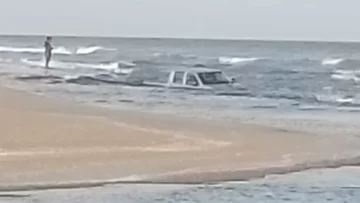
(196, 78)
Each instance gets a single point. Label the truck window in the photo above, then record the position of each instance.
(191, 80)
(178, 78)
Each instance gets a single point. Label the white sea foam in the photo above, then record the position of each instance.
(91, 49)
(339, 99)
(345, 100)
(234, 60)
(57, 50)
(332, 61)
(347, 72)
(346, 75)
(114, 66)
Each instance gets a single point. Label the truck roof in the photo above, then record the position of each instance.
(197, 70)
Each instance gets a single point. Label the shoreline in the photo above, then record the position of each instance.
(92, 143)
(246, 176)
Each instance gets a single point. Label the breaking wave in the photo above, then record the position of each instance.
(93, 49)
(339, 100)
(215, 62)
(193, 61)
(332, 61)
(351, 75)
(57, 50)
(224, 60)
(115, 67)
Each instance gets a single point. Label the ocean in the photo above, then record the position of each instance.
(304, 86)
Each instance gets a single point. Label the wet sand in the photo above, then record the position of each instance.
(46, 143)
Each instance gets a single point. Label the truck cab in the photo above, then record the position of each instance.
(197, 78)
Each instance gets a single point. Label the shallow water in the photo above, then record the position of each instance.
(278, 75)
(317, 186)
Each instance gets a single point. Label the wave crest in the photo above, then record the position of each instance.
(115, 67)
(332, 61)
(91, 49)
(235, 60)
(346, 75)
(57, 50)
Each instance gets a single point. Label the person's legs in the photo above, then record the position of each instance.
(47, 60)
(46, 63)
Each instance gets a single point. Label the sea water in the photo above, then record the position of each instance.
(304, 86)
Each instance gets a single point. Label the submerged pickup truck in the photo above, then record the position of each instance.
(207, 79)
(196, 78)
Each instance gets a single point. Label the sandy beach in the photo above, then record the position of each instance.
(45, 143)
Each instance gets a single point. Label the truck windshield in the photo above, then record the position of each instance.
(210, 78)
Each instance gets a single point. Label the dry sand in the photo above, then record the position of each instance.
(47, 143)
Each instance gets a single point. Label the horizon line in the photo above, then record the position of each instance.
(182, 38)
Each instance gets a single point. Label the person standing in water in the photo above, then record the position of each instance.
(48, 50)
